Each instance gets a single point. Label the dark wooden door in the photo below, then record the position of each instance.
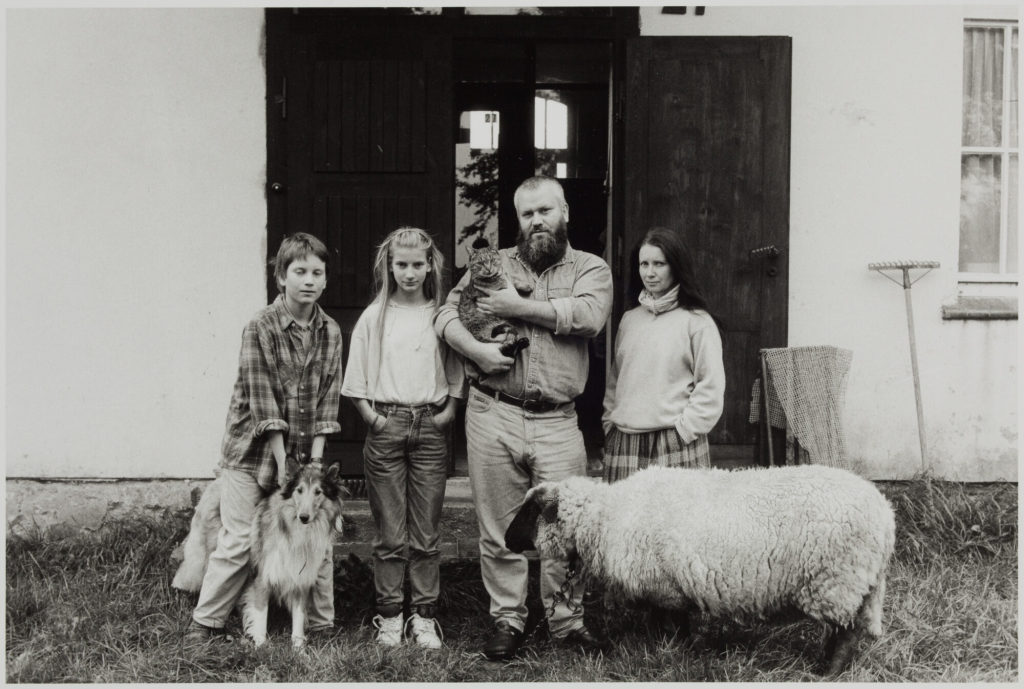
(359, 143)
(707, 153)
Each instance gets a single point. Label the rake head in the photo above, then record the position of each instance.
(893, 265)
(905, 267)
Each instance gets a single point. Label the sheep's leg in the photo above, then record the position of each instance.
(842, 642)
(839, 647)
(670, 622)
(870, 614)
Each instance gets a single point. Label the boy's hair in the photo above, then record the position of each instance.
(408, 238)
(294, 247)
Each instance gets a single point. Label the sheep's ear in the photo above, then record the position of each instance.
(519, 534)
(549, 505)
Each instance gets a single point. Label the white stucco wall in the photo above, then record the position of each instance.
(136, 230)
(875, 176)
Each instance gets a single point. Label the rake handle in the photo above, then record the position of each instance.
(913, 367)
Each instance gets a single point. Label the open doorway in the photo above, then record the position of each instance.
(370, 112)
(532, 107)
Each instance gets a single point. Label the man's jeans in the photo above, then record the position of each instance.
(406, 466)
(509, 450)
(228, 568)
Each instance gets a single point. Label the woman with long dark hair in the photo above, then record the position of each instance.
(666, 388)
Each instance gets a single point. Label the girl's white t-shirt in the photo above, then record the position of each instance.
(409, 357)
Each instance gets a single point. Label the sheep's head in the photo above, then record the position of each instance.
(536, 527)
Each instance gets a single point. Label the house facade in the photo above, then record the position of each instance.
(155, 157)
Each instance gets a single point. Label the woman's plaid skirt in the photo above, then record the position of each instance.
(627, 453)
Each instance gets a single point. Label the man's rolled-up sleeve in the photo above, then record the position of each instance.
(585, 312)
(449, 311)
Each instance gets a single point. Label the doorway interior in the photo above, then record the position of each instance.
(384, 117)
(527, 107)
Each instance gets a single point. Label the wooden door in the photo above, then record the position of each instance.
(707, 153)
(359, 143)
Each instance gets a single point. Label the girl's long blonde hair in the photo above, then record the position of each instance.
(408, 238)
(384, 280)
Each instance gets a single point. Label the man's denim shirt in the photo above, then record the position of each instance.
(554, 367)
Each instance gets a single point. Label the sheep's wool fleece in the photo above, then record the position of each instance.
(739, 543)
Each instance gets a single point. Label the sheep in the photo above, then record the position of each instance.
(743, 544)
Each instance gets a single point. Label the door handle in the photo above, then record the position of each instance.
(769, 251)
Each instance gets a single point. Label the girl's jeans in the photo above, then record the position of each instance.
(406, 465)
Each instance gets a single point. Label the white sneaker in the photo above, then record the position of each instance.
(389, 630)
(425, 631)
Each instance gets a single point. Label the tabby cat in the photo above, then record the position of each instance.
(486, 273)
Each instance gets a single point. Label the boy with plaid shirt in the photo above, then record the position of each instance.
(285, 403)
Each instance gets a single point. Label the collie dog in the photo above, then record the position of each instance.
(290, 537)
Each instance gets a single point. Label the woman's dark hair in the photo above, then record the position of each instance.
(691, 296)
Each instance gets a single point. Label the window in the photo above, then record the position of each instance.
(989, 153)
(476, 181)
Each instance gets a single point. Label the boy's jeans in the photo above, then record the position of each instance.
(228, 568)
(509, 451)
(406, 465)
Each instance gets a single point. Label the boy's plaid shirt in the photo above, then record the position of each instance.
(277, 389)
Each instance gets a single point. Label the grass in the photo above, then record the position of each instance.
(98, 607)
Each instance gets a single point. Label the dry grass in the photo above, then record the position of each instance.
(98, 608)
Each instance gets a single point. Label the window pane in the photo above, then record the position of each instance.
(1011, 221)
(979, 213)
(476, 181)
(1012, 117)
(983, 87)
(571, 133)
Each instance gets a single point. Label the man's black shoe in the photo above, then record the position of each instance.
(586, 641)
(504, 641)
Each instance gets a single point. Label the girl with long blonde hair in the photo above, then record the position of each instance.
(405, 383)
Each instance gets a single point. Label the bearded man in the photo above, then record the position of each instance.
(521, 426)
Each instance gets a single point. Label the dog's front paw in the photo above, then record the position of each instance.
(258, 641)
(298, 641)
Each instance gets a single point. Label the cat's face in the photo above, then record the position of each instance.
(485, 264)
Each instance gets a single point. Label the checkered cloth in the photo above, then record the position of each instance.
(627, 453)
(805, 396)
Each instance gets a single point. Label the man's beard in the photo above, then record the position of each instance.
(543, 251)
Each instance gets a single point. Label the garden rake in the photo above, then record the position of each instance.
(906, 267)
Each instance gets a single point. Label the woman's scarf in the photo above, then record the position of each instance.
(656, 305)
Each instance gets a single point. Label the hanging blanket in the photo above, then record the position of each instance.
(806, 395)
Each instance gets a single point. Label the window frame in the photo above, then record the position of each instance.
(1004, 150)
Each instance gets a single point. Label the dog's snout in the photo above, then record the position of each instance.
(304, 518)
